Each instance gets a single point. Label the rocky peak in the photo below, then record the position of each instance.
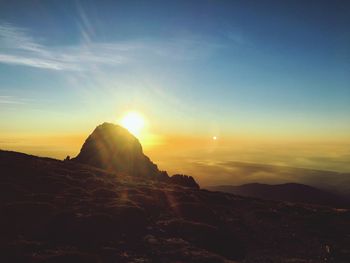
(113, 148)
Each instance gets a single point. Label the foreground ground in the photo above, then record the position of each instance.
(54, 211)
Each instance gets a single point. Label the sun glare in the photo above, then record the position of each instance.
(134, 122)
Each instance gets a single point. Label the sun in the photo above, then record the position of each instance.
(134, 122)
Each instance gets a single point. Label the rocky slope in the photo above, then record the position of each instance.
(56, 211)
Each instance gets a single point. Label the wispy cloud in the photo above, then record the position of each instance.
(17, 38)
(34, 62)
(11, 100)
(18, 47)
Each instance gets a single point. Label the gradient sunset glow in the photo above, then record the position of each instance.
(201, 83)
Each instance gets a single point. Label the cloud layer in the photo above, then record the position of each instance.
(237, 173)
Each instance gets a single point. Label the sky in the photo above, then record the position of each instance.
(270, 79)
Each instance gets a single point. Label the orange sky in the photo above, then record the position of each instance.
(207, 159)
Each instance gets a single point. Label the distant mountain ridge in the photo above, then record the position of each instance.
(290, 192)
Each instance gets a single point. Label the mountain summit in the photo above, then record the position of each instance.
(113, 148)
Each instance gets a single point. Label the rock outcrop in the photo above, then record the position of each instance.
(113, 148)
(183, 180)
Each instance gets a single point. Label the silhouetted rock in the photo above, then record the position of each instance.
(184, 180)
(113, 148)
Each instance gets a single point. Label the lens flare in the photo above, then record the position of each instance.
(134, 122)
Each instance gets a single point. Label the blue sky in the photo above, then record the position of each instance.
(279, 68)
